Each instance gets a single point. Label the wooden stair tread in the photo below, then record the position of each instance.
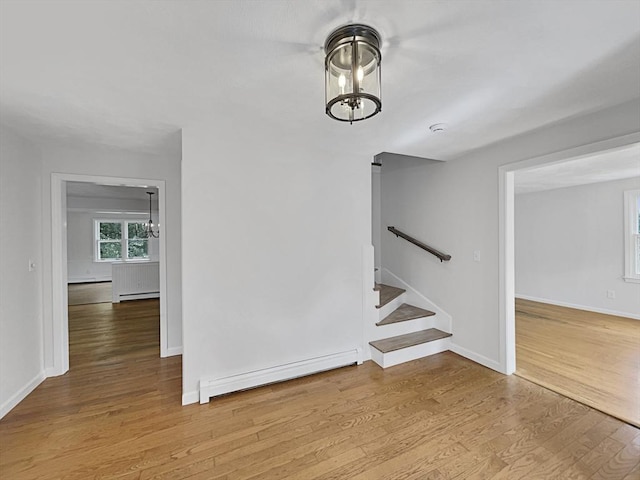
(404, 313)
(387, 345)
(387, 293)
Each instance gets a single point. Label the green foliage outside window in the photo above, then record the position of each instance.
(111, 240)
(136, 230)
(111, 250)
(137, 245)
(110, 231)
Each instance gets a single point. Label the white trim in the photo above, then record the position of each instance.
(21, 394)
(476, 357)
(56, 339)
(219, 386)
(56, 330)
(506, 222)
(97, 279)
(190, 397)
(579, 307)
(173, 351)
(630, 232)
(370, 298)
(506, 260)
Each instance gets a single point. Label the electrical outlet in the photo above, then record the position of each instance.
(611, 294)
(476, 256)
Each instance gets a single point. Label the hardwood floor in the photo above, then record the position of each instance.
(117, 414)
(590, 357)
(84, 293)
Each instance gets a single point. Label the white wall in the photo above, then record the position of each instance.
(102, 161)
(570, 247)
(81, 213)
(21, 364)
(273, 234)
(454, 207)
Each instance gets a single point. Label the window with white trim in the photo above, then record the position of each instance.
(117, 240)
(632, 235)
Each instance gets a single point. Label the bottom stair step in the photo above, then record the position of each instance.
(387, 345)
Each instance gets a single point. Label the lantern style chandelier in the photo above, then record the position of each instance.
(352, 73)
(149, 231)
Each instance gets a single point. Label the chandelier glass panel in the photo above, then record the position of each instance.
(352, 73)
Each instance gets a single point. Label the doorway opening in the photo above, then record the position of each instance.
(526, 321)
(58, 339)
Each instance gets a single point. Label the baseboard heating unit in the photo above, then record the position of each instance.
(220, 386)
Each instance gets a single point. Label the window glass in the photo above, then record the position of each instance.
(110, 231)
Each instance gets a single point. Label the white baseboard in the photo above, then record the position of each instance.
(21, 394)
(173, 351)
(579, 307)
(219, 386)
(89, 279)
(190, 397)
(476, 357)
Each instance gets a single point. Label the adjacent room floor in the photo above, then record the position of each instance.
(590, 357)
(117, 414)
(84, 293)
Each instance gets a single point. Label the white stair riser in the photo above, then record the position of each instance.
(401, 328)
(390, 307)
(413, 297)
(408, 354)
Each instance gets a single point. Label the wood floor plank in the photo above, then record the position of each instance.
(117, 414)
(85, 293)
(591, 357)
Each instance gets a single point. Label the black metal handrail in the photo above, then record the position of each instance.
(442, 256)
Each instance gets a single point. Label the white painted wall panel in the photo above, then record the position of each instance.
(570, 247)
(21, 353)
(272, 238)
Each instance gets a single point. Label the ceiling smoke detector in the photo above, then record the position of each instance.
(438, 127)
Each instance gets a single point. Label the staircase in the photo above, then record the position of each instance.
(404, 332)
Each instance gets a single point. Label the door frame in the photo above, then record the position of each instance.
(506, 201)
(59, 337)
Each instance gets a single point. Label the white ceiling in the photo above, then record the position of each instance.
(607, 166)
(129, 74)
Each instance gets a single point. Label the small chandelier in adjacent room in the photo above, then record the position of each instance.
(352, 73)
(149, 232)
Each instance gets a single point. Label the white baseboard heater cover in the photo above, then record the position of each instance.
(135, 280)
(214, 387)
